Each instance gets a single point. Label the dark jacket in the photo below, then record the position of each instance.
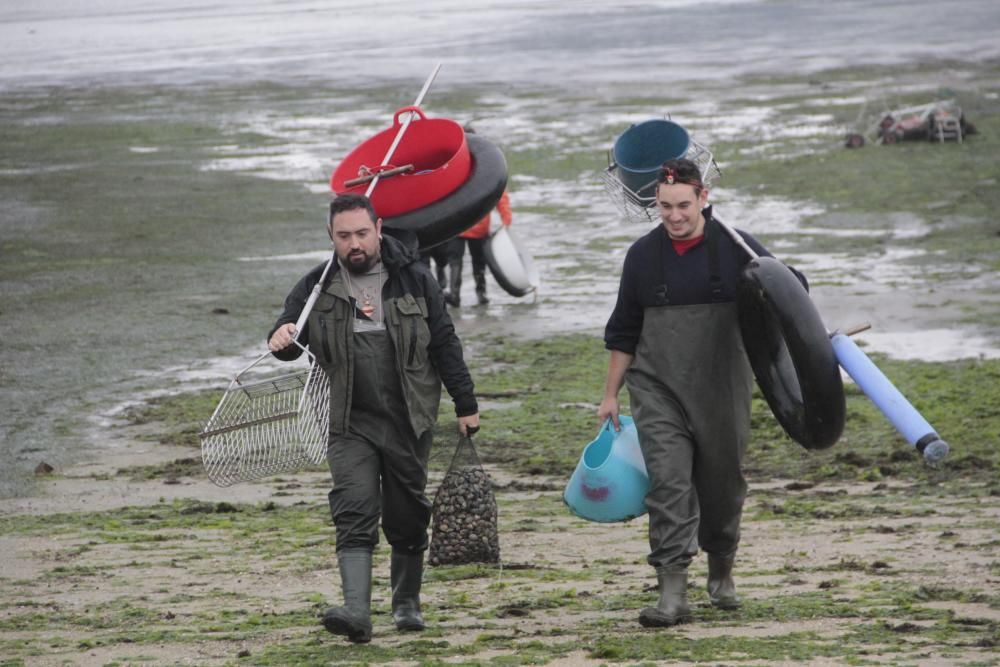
(655, 275)
(428, 351)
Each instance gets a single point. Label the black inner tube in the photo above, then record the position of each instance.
(498, 274)
(446, 218)
(791, 354)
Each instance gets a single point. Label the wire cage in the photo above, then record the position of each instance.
(268, 423)
(636, 208)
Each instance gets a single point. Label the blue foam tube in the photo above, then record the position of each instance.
(889, 400)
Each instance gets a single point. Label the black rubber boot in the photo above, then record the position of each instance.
(405, 573)
(672, 607)
(455, 282)
(353, 620)
(721, 588)
(481, 288)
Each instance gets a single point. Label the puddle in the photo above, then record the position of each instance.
(882, 270)
(930, 344)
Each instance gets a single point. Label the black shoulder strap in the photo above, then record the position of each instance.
(714, 273)
(661, 292)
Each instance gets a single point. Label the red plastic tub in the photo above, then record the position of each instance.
(437, 149)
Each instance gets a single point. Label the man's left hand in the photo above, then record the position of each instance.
(468, 425)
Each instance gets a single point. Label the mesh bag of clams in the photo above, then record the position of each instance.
(464, 526)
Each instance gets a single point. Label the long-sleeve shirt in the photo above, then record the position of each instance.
(654, 274)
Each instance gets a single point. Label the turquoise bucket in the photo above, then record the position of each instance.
(610, 481)
(641, 150)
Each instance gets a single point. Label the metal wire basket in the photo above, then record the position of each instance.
(636, 208)
(268, 425)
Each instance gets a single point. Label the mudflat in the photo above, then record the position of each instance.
(860, 554)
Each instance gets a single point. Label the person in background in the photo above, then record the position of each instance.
(674, 339)
(476, 238)
(439, 254)
(381, 332)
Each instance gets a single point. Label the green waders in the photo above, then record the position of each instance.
(690, 386)
(379, 470)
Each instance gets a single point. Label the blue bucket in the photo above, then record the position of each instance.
(642, 149)
(610, 482)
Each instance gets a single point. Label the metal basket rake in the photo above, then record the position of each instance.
(636, 208)
(268, 425)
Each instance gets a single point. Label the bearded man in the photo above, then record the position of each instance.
(381, 332)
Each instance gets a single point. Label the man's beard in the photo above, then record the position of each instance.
(359, 262)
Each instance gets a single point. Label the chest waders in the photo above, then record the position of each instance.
(379, 469)
(690, 387)
(379, 465)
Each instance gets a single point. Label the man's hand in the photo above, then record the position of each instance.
(609, 408)
(618, 365)
(468, 425)
(282, 338)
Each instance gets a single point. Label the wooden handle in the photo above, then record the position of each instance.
(857, 328)
(388, 172)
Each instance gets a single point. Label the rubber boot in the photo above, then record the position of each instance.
(481, 288)
(721, 588)
(441, 277)
(672, 607)
(455, 275)
(405, 574)
(353, 620)
(453, 295)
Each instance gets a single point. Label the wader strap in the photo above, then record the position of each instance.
(662, 296)
(714, 274)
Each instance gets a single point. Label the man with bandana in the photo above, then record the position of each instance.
(674, 340)
(381, 332)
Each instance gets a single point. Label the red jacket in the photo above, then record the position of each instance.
(481, 229)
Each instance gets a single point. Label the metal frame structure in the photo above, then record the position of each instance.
(940, 120)
(636, 208)
(274, 423)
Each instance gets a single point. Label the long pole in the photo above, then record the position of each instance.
(735, 235)
(371, 186)
(402, 129)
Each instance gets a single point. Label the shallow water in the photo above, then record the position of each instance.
(504, 41)
(552, 83)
